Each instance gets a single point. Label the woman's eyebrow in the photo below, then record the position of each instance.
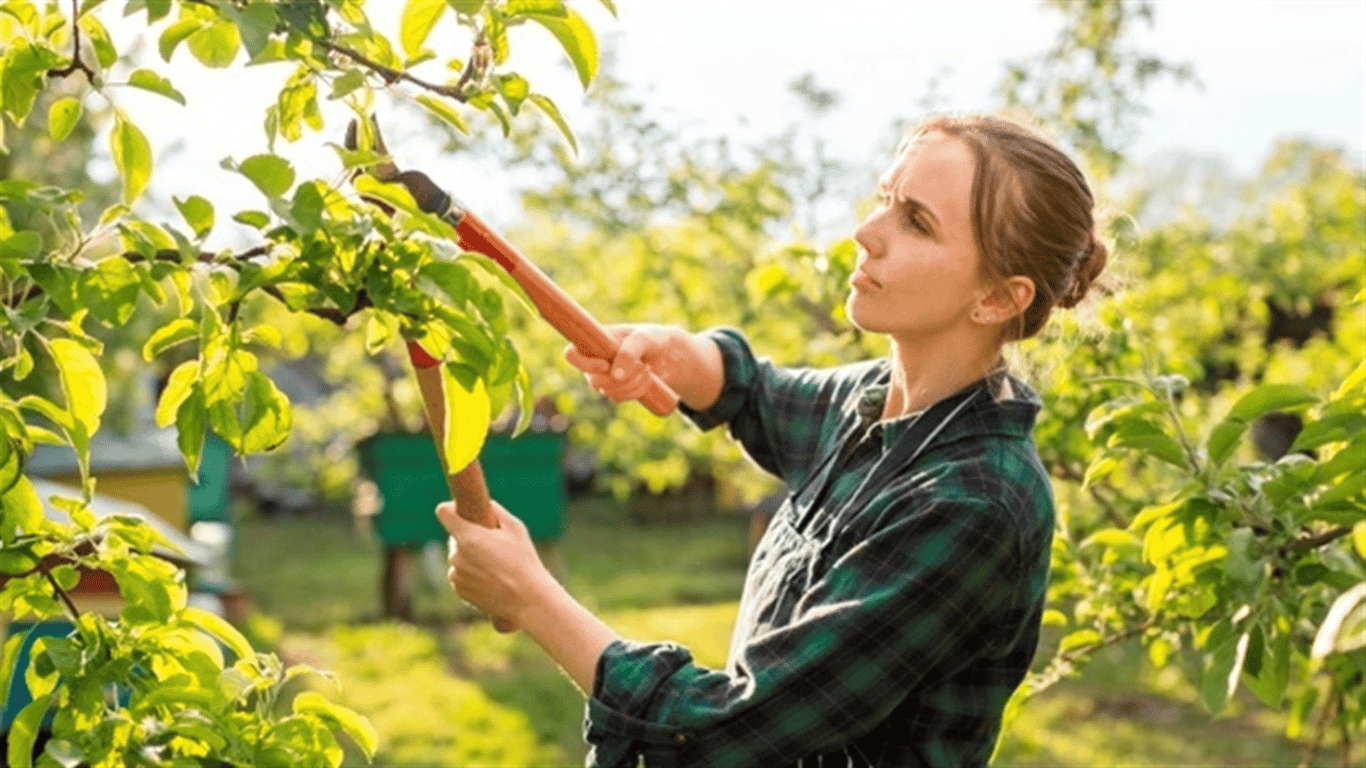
(916, 206)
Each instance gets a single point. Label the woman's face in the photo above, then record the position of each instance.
(918, 277)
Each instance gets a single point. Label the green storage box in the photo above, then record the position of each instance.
(523, 474)
(209, 497)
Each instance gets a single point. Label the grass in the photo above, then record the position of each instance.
(453, 692)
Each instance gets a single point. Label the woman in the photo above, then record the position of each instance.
(894, 603)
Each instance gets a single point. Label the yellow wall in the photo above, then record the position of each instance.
(164, 491)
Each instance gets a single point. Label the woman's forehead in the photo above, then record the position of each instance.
(931, 164)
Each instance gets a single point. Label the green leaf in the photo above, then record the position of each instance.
(419, 16)
(1354, 381)
(348, 721)
(178, 387)
(553, 112)
(62, 117)
(467, 418)
(105, 52)
(1271, 397)
(545, 7)
(266, 416)
(577, 40)
(611, 7)
(514, 89)
(219, 629)
(132, 156)
(1344, 628)
(215, 45)
(176, 33)
(256, 23)
(1143, 435)
(22, 245)
(467, 7)
(148, 80)
(111, 290)
(23, 509)
(307, 207)
(82, 381)
(23, 731)
(445, 112)
(177, 331)
(271, 174)
(191, 423)
(257, 219)
(197, 212)
(1223, 668)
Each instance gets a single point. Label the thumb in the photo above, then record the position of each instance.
(450, 519)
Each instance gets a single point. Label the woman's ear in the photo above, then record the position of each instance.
(1009, 299)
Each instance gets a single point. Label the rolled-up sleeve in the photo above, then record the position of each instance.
(909, 605)
(778, 415)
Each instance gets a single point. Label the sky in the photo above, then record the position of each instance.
(1266, 69)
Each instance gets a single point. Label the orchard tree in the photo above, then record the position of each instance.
(196, 692)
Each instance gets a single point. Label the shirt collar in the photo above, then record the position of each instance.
(1008, 417)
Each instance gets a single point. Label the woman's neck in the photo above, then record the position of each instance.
(926, 371)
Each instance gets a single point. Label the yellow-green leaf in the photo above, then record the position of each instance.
(577, 40)
(419, 16)
(178, 387)
(348, 721)
(150, 81)
(178, 330)
(445, 112)
(272, 174)
(219, 629)
(62, 117)
(82, 382)
(467, 419)
(132, 156)
(553, 112)
(215, 45)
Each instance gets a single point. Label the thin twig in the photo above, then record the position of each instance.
(60, 593)
(392, 75)
(76, 62)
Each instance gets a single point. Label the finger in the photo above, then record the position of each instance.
(585, 363)
(631, 356)
(510, 521)
(454, 524)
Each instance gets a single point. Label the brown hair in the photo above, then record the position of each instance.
(1032, 214)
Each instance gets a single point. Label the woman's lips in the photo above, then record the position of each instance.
(860, 279)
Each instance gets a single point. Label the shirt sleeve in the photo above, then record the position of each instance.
(776, 414)
(910, 605)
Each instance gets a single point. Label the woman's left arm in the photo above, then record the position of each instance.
(498, 571)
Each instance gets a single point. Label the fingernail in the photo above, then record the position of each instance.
(618, 373)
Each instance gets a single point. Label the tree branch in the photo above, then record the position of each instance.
(76, 62)
(392, 75)
(1310, 543)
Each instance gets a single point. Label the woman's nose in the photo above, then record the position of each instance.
(866, 236)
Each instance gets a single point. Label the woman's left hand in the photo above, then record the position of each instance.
(496, 570)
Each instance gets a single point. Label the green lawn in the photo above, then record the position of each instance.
(451, 691)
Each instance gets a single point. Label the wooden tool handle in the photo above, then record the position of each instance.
(556, 306)
(466, 484)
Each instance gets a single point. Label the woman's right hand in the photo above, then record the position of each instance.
(641, 350)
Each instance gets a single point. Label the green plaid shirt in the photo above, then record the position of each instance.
(893, 605)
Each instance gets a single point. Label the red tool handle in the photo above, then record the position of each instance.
(556, 306)
(467, 486)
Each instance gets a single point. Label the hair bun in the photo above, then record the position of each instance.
(1088, 268)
